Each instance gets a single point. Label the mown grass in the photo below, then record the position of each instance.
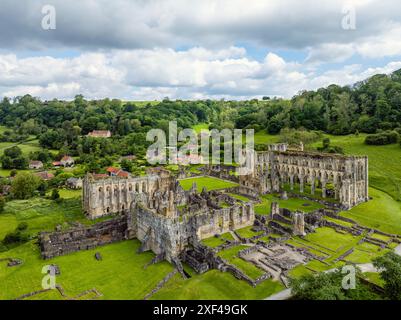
(208, 182)
(120, 275)
(247, 232)
(231, 255)
(292, 204)
(382, 213)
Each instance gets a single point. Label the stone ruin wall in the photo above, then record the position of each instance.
(223, 220)
(278, 166)
(58, 243)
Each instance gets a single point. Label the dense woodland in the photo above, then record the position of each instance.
(372, 106)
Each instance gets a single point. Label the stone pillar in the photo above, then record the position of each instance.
(324, 189)
(312, 186)
(299, 224)
(274, 209)
(366, 179)
(292, 182)
(301, 184)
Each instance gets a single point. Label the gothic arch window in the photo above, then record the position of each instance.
(100, 189)
(137, 187)
(130, 187)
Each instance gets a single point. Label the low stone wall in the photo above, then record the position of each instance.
(82, 238)
(245, 191)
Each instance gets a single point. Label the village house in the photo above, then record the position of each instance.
(34, 164)
(100, 134)
(116, 172)
(74, 183)
(67, 161)
(44, 175)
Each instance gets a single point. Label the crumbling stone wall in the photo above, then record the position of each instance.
(273, 168)
(53, 244)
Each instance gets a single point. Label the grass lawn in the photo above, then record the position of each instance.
(331, 239)
(374, 277)
(380, 237)
(365, 253)
(120, 275)
(239, 197)
(247, 232)
(290, 204)
(215, 285)
(340, 222)
(231, 255)
(208, 182)
(212, 242)
(382, 213)
(43, 214)
(200, 126)
(261, 137)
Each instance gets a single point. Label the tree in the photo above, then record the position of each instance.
(2, 203)
(328, 286)
(55, 194)
(24, 185)
(126, 165)
(390, 264)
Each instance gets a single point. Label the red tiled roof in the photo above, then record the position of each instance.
(122, 174)
(45, 175)
(56, 163)
(35, 162)
(112, 169)
(67, 158)
(99, 133)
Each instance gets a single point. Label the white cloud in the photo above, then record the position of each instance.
(153, 74)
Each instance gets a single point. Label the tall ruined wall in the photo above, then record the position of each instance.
(115, 195)
(158, 233)
(348, 174)
(223, 220)
(53, 244)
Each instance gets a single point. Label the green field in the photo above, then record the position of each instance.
(216, 285)
(231, 256)
(208, 182)
(120, 275)
(290, 204)
(382, 212)
(200, 126)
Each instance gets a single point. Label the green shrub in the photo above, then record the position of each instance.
(22, 226)
(2, 203)
(15, 237)
(383, 138)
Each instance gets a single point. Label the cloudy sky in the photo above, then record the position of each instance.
(189, 49)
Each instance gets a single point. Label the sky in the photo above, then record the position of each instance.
(193, 49)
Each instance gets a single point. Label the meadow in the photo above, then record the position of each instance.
(209, 182)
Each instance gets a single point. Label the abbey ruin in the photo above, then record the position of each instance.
(171, 222)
